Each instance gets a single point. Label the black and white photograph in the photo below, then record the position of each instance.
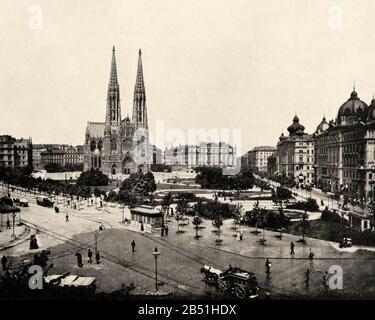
(215, 152)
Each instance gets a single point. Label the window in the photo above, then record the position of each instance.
(114, 145)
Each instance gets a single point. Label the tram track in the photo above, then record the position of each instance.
(142, 270)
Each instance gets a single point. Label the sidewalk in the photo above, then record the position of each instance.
(22, 234)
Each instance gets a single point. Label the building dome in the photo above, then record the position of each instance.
(354, 109)
(282, 137)
(371, 111)
(323, 126)
(296, 127)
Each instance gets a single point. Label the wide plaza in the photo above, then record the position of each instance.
(181, 255)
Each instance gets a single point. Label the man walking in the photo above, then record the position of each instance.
(8, 224)
(4, 261)
(133, 246)
(268, 267)
(79, 260)
(89, 256)
(292, 248)
(67, 218)
(307, 275)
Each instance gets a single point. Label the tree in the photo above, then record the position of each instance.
(139, 184)
(97, 194)
(178, 217)
(254, 217)
(237, 214)
(93, 177)
(217, 223)
(197, 220)
(182, 205)
(166, 203)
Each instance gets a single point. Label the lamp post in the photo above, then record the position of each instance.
(156, 254)
(96, 241)
(14, 220)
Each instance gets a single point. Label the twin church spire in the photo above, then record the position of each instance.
(113, 110)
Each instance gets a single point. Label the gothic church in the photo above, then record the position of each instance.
(120, 146)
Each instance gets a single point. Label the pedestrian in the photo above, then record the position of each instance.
(67, 218)
(8, 224)
(79, 259)
(89, 256)
(4, 261)
(162, 231)
(97, 257)
(101, 227)
(238, 236)
(292, 248)
(241, 235)
(307, 279)
(92, 201)
(133, 246)
(268, 266)
(166, 230)
(311, 255)
(101, 203)
(142, 227)
(325, 280)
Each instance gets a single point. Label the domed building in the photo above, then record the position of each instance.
(345, 150)
(295, 154)
(323, 126)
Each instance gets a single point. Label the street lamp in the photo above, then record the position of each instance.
(14, 220)
(156, 254)
(96, 241)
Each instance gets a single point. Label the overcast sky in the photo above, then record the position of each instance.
(223, 64)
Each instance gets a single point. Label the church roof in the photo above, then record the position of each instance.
(95, 129)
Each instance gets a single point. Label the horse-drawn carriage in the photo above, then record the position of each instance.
(233, 280)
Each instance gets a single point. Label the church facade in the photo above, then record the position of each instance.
(120, 146)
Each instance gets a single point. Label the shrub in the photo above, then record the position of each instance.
(309, 205)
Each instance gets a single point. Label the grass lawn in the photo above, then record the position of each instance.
(334, 231)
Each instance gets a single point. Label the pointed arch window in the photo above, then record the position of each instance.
(114, 144)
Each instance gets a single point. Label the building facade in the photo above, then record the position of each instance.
(15, 152)
(295, 154)
(345, 150)
(257, 158)
(120, 146)
(205, 154)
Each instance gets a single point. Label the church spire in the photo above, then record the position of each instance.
(113, 109)
(139, 101)
(113, 82)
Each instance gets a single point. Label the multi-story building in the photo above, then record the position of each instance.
(15, 152)
(205, 154)
(53, 155)
(74, 155)
(345, 150)
(37, 156)
(257, 158)
(295, 154)
(272, 164)
(57, 154)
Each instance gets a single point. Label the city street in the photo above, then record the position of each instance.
(181, 256)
